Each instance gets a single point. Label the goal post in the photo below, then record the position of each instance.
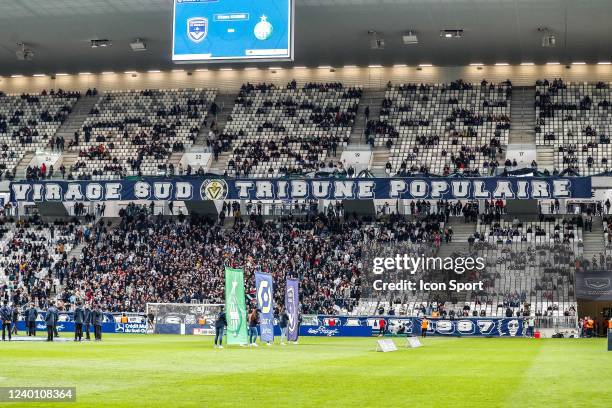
(182, 318)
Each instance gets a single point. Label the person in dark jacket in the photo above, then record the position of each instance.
(15, 319)
(30, 317)
(220, 324)
(51, 321)
(55, 332)
(283, 322)
(97, 322)
(6, 316)
(87, 320)
(79, 317)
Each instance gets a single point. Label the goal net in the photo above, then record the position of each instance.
(182, 318)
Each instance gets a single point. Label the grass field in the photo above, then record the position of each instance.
(169, 371)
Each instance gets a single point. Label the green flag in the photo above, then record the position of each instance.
(235, 307)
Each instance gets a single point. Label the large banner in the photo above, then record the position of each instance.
(292, 305)
(332, 326)
(199, 189)
(594, 285)
(265, 304)
(235, 306)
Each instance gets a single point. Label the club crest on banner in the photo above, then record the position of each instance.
(197, 29)
(215, 189)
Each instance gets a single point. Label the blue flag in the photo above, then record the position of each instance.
(292, 304)
(265, 304)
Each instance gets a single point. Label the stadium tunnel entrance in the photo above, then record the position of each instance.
(600, 310)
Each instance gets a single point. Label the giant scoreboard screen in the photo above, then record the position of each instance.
(232, 30)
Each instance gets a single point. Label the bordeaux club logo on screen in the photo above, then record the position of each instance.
(197, 29)
(214, 189)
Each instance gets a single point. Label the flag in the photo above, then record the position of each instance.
(292, 304)
(265, 304)
(235, 306)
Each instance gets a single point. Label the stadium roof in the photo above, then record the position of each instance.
(328, 32)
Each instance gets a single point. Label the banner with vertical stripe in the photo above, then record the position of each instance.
(292, 304)
(235, 306)
(265, 304)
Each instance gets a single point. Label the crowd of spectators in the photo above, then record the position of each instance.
(29, 122)
(135, 132)
(443, 129)
(34, 257)
(152, 259)
(276, 131)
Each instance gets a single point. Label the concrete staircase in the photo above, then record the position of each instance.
(545, 156)
(522, 116)
(594, 241)
(219, 166)
(225, 102)
(20, 172)
(74, 253)
(69, 158)
(372, 99)
(461, 230)
(448, 249)
(380, 157)
(77, 117)
(175, 159)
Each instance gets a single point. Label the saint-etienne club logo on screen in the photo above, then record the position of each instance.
(214, 189)
(197, 29)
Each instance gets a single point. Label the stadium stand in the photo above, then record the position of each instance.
(28, 122)
(531, 264)
(576, 120)
(443, 128)
(35, 256)
(136, 132)
(114, 266)
(276, 131)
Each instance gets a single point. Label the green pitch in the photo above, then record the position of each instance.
(173, 371)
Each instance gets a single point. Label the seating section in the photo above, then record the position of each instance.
(28, 122)
(529, 271)
(443, 128)
(276, 131)
(33, 256)
(135, 132)
(530, 263)
(576, 119)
